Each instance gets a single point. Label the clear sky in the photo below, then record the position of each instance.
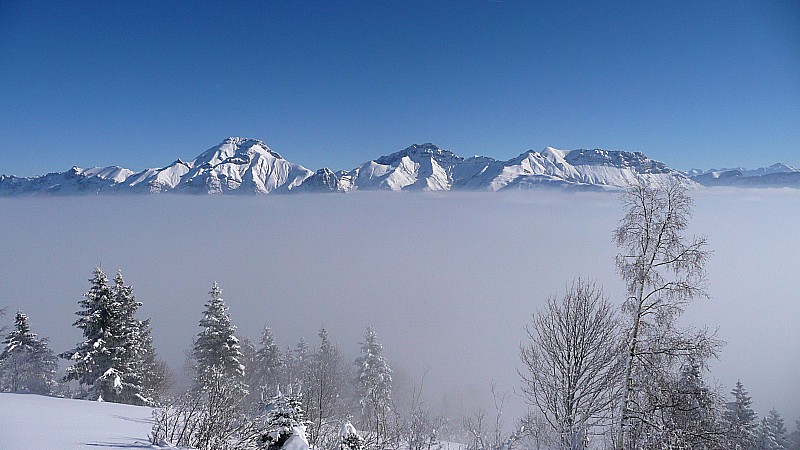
(335, 83)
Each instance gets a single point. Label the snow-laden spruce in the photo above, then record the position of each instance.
(284, 422)
(740, 419)
(349, 439)
(772, 433)
(373, 390)
(26, 362)
(109, 363)
(216, 347)
(266, 370)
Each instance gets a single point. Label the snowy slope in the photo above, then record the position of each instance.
(157, 180)
(40, 423)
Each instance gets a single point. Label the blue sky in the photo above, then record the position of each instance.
(334, 83)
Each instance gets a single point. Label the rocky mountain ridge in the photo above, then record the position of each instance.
(249, 166)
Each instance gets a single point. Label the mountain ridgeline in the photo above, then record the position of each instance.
(248, 166)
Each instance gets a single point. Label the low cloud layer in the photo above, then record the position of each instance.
(448, 280)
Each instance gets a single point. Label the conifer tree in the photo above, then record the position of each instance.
(302, 357)
(248, 360)
(373, 389)
(694, 418)
(772, 432)
(268, 363)
(741, 420)
(216, 346)
(129, 334)
(92, 357)
(109, 359)
(156, 375)
(794, 438)
(290, 376)
(26, 362)
(349, 439)
(284, 418)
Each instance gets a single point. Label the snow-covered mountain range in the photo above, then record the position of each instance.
(776, 175)
(248, 166)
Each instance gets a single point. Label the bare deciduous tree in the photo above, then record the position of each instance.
(415, 426)
(208, 417)
(324, 386)
(663, 271)
(572, 363)
(485, 436)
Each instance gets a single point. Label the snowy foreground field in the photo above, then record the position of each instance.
(34, 422)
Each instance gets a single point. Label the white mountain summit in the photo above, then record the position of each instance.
(248, 166)
(428, 167)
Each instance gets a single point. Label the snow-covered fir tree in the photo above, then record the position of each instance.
(794, 438)
(349, 439)
(248, 360)
(772, 432)
(92, 357)
(373, 390)
(26, 362)
(284, 419)
(302, 357)
(267, 365)
(156, 375)
(740, 419)
(694, 418)
(108, 360)
(129, 336)
(287, 378)
(216, 346)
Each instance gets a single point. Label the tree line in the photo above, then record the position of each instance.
(595, 375)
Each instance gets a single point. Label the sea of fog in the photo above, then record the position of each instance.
(449, 281)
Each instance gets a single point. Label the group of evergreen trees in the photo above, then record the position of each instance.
(26, 362)
(248, 397)
(115, 361)
(743, 430)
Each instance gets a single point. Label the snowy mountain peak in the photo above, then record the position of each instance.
(616, 158)
(235, 150)
(418, 150)
(241, 165)
(780, 167)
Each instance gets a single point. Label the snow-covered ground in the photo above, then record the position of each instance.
(35, 422)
